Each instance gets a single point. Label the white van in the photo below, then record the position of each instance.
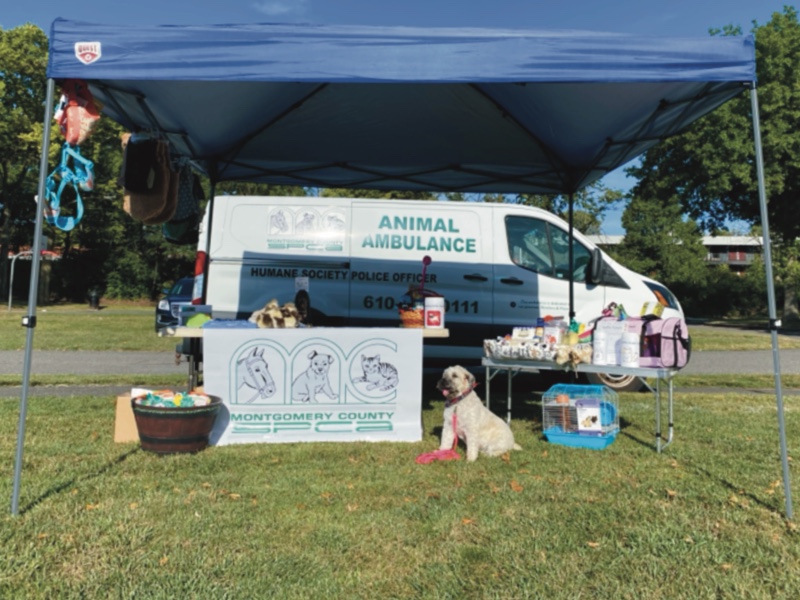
(497, 265)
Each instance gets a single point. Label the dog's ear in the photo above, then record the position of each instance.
(312, 355)
(470, 378)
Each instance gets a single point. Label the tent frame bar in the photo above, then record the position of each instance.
(774, 322)
(29, 321)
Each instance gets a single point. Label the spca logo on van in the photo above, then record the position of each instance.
(88, 52)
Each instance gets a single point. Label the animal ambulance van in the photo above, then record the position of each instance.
(347, 262)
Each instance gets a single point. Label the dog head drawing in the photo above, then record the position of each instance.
(319, 363)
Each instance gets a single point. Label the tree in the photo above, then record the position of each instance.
(711, 166)
(377, 194)
(661, 244)
(589, 205)
(23, 60)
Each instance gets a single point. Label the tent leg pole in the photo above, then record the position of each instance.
(29, 320)
(774, 322)
(571, 261)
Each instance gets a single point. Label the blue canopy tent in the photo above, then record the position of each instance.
(472, 110)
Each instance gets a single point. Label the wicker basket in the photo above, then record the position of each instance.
(412, 317)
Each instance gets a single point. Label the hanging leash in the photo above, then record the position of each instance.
(80, 176)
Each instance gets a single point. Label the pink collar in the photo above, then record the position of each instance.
(451, 401)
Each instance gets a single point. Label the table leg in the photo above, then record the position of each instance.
(508, 397)
(488, 385)
(194, 365)
(660, 444)
(658, 414)
(670, 423)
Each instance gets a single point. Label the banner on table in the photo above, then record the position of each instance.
(315, 384)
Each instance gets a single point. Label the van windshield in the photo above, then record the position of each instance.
(540, 247)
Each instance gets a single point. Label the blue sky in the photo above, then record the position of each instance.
(690, 18)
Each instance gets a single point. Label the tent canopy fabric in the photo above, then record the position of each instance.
(402, 108)
(470, 110)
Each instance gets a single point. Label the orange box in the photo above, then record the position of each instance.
(125, 424)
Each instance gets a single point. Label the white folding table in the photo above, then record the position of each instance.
(661, 376)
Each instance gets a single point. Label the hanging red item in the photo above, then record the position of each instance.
(77, 112)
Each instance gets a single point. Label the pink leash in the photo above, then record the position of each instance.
(450, 454)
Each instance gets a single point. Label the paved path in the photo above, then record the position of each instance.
(130, 364)
(163, 363)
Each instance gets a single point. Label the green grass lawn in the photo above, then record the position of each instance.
(77, 328)
(704, 519)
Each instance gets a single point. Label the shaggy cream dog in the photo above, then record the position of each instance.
(482, 431)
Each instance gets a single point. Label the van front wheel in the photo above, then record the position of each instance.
(618, 383)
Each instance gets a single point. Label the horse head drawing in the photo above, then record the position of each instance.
(253, 371)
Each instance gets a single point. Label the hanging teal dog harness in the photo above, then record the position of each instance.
(80, 177)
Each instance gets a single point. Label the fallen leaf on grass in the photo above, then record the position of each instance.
(466, 521)
(326, 495)
(671, 494)
(493, 488)
(593, 544)
(352, 507)
(506, 457)
(92, 506)
(41, 536)
(515, 486)
(726, 566)
(233, 496)
(205, 484)
(133, 505)
(164, 560)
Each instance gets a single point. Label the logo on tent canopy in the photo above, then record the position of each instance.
(88, 52)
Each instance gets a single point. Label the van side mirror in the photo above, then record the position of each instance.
(595, 266)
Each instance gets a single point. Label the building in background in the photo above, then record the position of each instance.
(737, 251)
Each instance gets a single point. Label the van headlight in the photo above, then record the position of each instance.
(663, 295)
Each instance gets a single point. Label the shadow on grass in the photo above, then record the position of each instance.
(87, 477)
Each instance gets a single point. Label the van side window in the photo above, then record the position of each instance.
(581, 256)
(542, 248)
(529, 245)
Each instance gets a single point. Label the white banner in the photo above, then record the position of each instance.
(315, 384)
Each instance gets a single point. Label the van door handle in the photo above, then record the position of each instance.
(476, 277)
(511, 281)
